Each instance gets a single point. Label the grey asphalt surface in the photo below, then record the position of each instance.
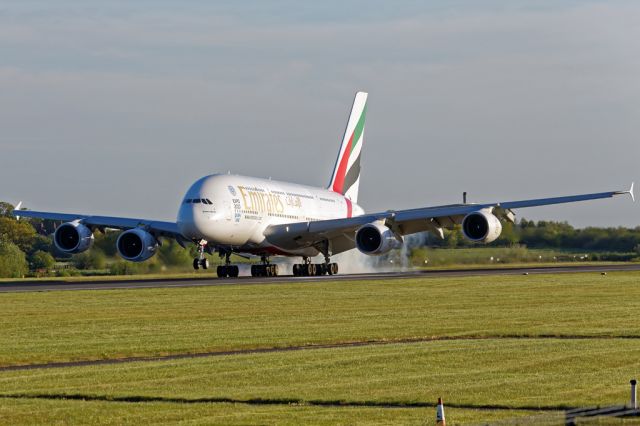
(28, 286)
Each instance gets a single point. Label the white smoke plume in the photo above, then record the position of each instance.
(355, 262)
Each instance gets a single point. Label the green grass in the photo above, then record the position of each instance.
(62, 326)
(512, 373)
(545, 341)
(38, 412)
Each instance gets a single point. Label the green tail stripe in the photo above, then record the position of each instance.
(357, 132)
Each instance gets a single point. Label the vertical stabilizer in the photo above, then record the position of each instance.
(346, 173)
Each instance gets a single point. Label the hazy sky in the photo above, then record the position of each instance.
(117, 107)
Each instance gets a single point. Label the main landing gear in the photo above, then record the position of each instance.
(308, 269)
(265, 270)
(227, 270)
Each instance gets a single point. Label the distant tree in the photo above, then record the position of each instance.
(172, 254)
(20, 233)
(452, 237)
(12, 260)
(6, 209)
(41, 260)
(41, 243)
(106, 242)
(508, 236)
(91, 259)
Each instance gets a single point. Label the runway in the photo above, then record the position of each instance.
(30, 286)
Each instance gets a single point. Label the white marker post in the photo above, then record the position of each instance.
(634, 394)
(440, 421)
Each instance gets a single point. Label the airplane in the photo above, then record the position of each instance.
(228, 214)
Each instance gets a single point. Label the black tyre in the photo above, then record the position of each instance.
(322, 269)
(221, 271)
(196, 264)
(204, 263)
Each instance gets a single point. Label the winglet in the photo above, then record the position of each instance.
(17, 208)
(629, 191)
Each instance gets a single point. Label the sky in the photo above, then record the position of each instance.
(116, 107)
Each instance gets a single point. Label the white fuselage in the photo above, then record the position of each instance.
(232, 210)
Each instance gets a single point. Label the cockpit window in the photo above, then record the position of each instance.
(208, 201)
(187, 201)
(196, 201)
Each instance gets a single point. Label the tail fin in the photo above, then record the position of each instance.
(346, 173)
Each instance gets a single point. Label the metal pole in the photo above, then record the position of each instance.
(634, 394)
(464, 197)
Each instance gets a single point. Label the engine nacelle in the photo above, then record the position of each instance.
(136, 245)
(375, 239)
(72, 237)
(481, 226)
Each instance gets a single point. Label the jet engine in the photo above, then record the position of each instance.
(136, 245)
(481, 226)
(375, 239)
(72, 237)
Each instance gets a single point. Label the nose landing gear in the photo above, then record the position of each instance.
(201, 261)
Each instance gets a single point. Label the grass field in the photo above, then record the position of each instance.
(495, 347)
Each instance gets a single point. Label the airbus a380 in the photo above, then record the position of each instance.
(228, 214)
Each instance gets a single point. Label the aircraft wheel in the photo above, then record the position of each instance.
(204, 263)
(234, 271)
(196, 264)
(312, 269)
(333, 268)
(222, 271)
(295, 269)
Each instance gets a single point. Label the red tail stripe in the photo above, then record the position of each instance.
(349, 207)
(342, 167)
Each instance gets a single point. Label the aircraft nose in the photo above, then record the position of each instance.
(190, 220)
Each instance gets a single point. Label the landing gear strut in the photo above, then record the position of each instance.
(307, 268)
(201, 261)
(227, 270)
(265, 270)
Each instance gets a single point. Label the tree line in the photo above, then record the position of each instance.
(551, 235)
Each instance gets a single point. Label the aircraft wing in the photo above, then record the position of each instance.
(166, 229)
(340, 233)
